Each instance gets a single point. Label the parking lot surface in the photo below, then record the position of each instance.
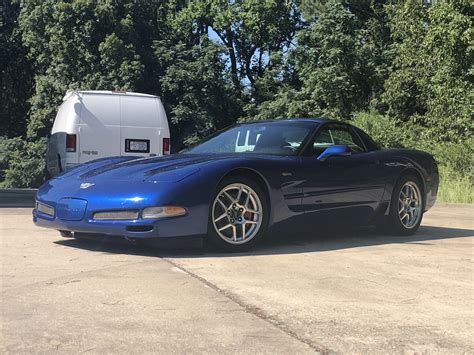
(352, 291)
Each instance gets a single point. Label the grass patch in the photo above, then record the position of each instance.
(455, 189)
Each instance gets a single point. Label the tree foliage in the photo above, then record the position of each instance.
(432, 75)
(25, 161)
(332, 66)
(77, 45)
(250, 30)
(403, 70)
(199, 97)
(16, 75)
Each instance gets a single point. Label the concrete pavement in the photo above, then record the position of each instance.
(350, 292)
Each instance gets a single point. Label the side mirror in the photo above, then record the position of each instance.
(339, 150)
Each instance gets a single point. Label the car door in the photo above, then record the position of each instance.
(347, 188)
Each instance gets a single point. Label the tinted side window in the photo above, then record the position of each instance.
(336, 134)
(369, 142)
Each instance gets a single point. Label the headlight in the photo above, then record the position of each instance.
(44, 208)
(116, 215)
(159, 212)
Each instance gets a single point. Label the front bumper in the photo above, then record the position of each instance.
(75, 201)
(182, 226)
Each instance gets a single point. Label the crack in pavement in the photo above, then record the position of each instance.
(51, 281)
(256, 311)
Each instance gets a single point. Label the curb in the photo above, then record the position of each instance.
(17, 197)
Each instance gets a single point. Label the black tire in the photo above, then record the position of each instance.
(393, 223)
(226, 245)
(66, 234)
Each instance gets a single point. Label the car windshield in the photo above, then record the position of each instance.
(276, 138)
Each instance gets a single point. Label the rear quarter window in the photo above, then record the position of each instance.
(369, 142)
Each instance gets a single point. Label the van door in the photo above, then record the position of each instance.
(141, 130)
(99, 130)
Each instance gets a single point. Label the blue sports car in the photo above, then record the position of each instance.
(241, 183)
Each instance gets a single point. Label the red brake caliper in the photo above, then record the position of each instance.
(248, 216)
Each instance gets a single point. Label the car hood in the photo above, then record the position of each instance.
(167, 168)
(170, 168)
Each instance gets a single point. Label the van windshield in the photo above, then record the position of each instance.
(276, 138)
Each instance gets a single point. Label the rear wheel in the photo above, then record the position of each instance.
(238, 215)
(406, 207)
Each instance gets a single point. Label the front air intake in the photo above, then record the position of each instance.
(116, 215)
(140, 229)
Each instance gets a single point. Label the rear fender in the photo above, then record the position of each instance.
(408, 166)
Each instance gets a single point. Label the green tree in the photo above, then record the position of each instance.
(334, 65)
(16, 75)
(431, 80)
(198, 95)
(25, 162)
(364, 10)
(250, 30)
(77, 45)
(333, 69)
(372, 21)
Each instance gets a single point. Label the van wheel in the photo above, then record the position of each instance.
(238, 215)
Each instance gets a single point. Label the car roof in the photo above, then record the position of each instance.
(317, 120)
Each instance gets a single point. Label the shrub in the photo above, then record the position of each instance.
(456, 164)
(24, 161)
(455, 160)
(381, 128)
(7, 146)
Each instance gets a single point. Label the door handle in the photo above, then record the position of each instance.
(374, 162)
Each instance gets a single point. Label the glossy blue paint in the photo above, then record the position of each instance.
(300, 187)
(71, 209)
(338, 150)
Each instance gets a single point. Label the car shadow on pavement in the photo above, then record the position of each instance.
(325, 240)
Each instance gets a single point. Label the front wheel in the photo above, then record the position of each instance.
(238, 215)
(406, 207)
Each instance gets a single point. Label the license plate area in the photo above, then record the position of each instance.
(137, 145)
(71, 209)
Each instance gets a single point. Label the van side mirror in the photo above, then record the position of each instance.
(339, 150)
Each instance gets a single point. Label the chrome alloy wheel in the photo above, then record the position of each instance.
(237, 213)
(409, 204)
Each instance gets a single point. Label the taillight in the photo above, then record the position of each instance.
(166, 146)
(70, 142)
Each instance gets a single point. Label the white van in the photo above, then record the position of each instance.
(96, 124)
